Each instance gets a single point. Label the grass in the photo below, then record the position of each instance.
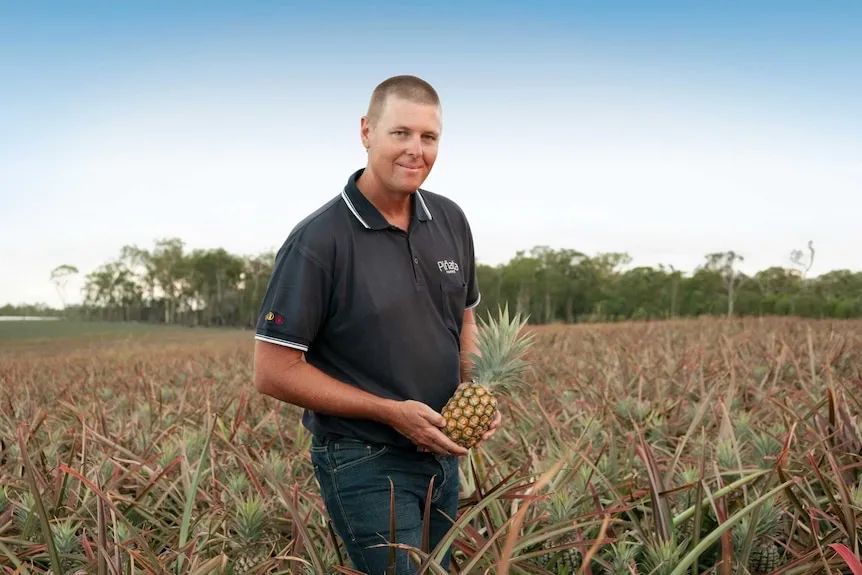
(63, 336)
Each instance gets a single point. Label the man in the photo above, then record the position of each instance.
(368, 324)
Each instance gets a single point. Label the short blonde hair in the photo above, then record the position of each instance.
(409, 88)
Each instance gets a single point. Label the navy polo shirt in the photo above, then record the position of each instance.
(372, 305)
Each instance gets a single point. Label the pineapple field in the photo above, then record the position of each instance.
(667, 448)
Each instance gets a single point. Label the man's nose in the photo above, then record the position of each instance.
(414, 146)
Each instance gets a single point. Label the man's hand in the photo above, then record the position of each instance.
(421, 425)
(495, 424)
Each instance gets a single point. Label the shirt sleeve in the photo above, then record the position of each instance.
(295, 304)
(473, 295)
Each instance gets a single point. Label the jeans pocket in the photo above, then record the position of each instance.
(346, 455)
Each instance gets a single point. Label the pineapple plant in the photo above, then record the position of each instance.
(250, 547)
(25, 515)
(742, 426)
(766, 449)
(620, 558)
(765, 555)
(686, 529)
(563, 561)
(660, 557)
(498, 366)
(66, 542)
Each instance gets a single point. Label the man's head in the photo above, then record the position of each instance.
(401, 132)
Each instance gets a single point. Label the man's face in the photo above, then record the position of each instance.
(402, 143)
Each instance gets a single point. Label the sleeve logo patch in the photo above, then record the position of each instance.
(274, 317)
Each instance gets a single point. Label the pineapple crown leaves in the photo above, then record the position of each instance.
(661, 556)
(250, 518)
(65, 536)
(502, 346)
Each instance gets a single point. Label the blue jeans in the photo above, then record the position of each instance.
(354, 482)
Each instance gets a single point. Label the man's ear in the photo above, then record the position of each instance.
(364, 129)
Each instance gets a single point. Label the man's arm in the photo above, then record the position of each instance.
(282, 372)
(469, 345)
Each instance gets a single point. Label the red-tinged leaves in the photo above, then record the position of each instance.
(851, 560)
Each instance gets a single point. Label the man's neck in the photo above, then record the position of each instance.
(394, 206)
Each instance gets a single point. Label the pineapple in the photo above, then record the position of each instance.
(766, 449)
(766, 555)
(562, 509)
(249, 525)
(661, 558)
(499, 366)
(66, 542)
(621, 557)
(25, 515)
(742, 426)
(686, 529)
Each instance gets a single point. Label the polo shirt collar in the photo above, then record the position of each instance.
(369, 216)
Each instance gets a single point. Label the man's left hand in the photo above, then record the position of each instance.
(495, 424)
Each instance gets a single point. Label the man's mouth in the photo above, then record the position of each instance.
(410, 168)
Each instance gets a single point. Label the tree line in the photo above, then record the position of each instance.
(569, 286)
(212, 287)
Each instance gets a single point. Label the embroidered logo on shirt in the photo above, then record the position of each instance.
(448, 266)
(272, 316)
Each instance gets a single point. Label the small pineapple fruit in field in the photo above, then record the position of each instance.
(65, 538)
(661, 558)
(275, 465)
(742, 426)
(66, 542)
(765, 555)
(685, 529)
(765, 449)
(632, 409)
(498, 366)
(25, 515)
(249, 526)
(725, 455)
(562, 561)
(236, 485)
(620, 558)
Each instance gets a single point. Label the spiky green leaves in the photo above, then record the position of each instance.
(502, 346)
(250, 519)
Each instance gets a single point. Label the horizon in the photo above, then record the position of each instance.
(666, 131)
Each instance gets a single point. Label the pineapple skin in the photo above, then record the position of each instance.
(765, 557)
(469, 414)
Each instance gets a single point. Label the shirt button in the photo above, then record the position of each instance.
(415, 260)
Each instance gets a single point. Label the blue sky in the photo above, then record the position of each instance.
(666, 130)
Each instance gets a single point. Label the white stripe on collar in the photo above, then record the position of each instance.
(352, 209)
(424, 206)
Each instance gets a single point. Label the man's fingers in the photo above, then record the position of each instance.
(442, 445)
(435, 418)
(452, 447)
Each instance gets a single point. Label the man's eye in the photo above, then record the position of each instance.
(430, 138)
(398, 133)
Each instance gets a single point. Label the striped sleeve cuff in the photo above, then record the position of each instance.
(281, 342)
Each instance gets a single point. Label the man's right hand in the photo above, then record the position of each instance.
(422, 425)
